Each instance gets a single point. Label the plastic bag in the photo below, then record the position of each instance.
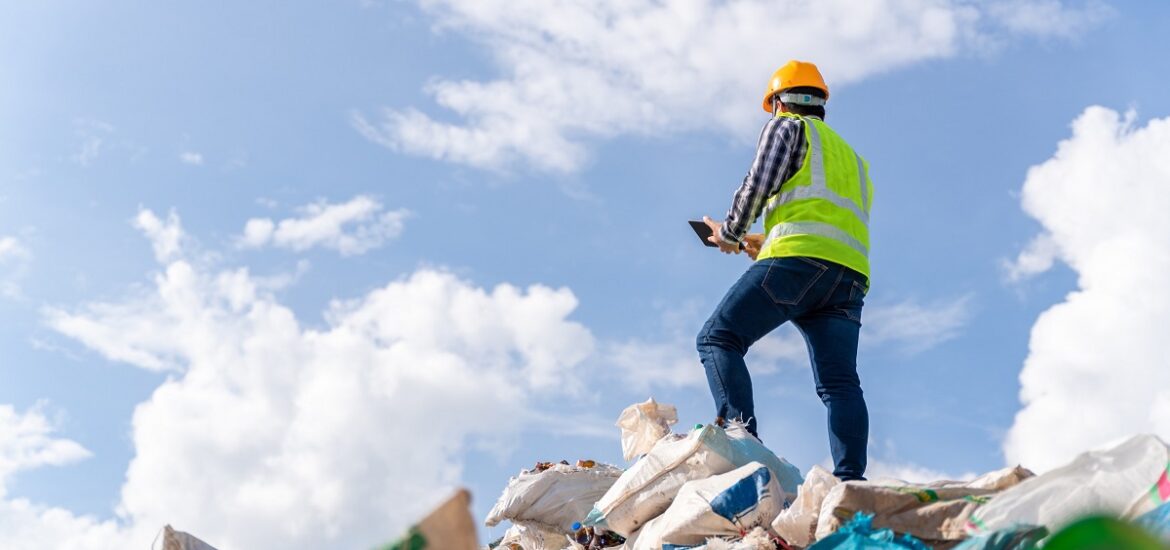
(859, 534)
(722, 505)
(744, 448)
(533, 537)
(757, 539)
(643, 424)
(1126, 480)
(797, 524)
(1023, 537)
(554, 499)
(649, 486)
(935, 511)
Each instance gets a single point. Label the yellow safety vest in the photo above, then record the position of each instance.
(822, 211)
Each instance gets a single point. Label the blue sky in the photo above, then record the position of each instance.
(479, 147)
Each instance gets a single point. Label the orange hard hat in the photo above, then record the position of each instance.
(794, 74)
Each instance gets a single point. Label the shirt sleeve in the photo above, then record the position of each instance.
(774, 155)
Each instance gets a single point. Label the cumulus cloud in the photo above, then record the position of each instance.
(1097, 362)
(165, 235)
(576, 71)
(351, 228)
(272, 434)
(27, 442)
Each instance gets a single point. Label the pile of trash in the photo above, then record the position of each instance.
(717, 487)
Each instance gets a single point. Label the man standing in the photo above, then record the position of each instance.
(811, 263)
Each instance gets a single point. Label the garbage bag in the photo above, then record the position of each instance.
(756, 539)
(553, 499)
(723, 505)
(1126, 480)
(1102, 533)
(797, 524)
(859, 534)
(744, 448)
(643, 424)
(936, 511)
(646, 490)
(532, 537)
(1023, 537)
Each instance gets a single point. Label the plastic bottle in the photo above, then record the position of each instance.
(583, 535)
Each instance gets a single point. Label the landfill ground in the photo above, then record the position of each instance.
(715, 487)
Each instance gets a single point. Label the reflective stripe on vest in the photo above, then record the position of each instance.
(819, 189)
(808, 217)
(817, 228)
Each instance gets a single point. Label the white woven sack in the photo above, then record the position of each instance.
(554, 499)
(648, 487)
(797, 524)
(720, 506)
(643, 424)
(1126, 480)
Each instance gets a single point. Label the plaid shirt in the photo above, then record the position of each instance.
(779, 154)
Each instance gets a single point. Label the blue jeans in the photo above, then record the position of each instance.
(824, 301)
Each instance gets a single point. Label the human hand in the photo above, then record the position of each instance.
(714, 238)
(752, 244)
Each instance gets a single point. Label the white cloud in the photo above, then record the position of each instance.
(192, 158)
(1050, 18)
(644, 365)
(1097, 362)
(270, 434)
(11, 249)
(351, 228)
(912, 327)
(576, 71)
(1036, 258)
(26, 443)
(165, 236)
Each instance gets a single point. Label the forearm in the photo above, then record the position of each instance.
(743, 211)
(776, 146)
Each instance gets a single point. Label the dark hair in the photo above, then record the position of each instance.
(806, 110)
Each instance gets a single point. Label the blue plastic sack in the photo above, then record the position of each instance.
(1023, 537)
(859, 534)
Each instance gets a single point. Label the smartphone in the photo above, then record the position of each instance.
(704, 232)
